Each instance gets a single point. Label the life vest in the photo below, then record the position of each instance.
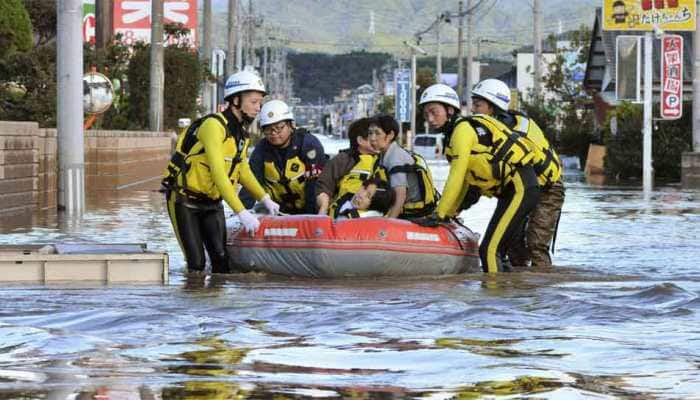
(287, 187)
(366, 167)
(428, 194)
(546, 161)
(496, 155)
(188, 172)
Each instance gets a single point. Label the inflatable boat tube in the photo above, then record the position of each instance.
(316, 246)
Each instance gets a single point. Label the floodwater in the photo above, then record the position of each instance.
(619, 317)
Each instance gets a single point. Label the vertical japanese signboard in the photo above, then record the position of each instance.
(132, 18)
(671, 76)
(402, 79)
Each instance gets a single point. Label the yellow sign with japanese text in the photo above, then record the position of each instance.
(643, 15)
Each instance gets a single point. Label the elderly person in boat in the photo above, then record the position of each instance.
(344, 174)
(374, 199)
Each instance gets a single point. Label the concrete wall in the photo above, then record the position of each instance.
(690, 170)
(119, 159)
(19, 167)
(114, 160)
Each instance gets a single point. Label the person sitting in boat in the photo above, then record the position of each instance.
(287, 161)
(343, 175)
(408, 172)
(373, 199)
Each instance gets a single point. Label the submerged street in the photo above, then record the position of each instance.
(617, 318)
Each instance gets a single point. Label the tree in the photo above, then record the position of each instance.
(113, 62)
(323, 76)
(623, 139)
(15, 28)
(386, 105)
(184, 74)
(567, 116)
(27, 72)
(424, 78)
(43, 16)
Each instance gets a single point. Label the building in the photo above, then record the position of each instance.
(600, 76)
(524, 67)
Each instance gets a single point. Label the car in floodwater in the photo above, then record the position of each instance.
(428, 145)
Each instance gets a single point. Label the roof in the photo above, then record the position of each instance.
(600, 68)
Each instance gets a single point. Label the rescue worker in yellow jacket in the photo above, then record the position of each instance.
(210, 159)
(344, 174)
(287, 161)
(492, 97)
(483, 154)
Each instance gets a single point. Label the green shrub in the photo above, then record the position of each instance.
(624, 149)
(15, 28)
(34, 73)
(183, 78)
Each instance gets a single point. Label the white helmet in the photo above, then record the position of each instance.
(494, 91)
(243, 81)
(275, 111)
(442, 94)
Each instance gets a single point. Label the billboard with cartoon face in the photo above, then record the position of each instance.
(643, 15)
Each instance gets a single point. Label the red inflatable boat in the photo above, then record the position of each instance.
(319, 247)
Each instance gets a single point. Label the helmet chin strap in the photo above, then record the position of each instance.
(450, 124)
(449, 127)
(246, 119)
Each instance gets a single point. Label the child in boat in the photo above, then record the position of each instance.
(374, 199)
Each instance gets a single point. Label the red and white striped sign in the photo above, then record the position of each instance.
(132, 18)
(671, 76)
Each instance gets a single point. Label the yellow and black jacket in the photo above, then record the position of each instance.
(546, 162)
(210, 159)
(289, 174)
(366, 166)
(484, 154)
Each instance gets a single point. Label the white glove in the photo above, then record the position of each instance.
(250, 222)
(271, 206)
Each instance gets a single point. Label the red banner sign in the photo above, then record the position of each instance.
(132, 18)
(671, 76)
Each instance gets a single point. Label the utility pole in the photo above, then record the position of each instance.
(69, 71)
(239, 45)
(696, 85)
(205, 56)
(231, 42)
(155, 111)
(460, 52)
(264, 60)
(251, 34)
(103, 21)
(647, 172)
(438, 59)
(470, 57)
(537, 53)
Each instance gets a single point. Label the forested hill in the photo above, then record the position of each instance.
(318, 75)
